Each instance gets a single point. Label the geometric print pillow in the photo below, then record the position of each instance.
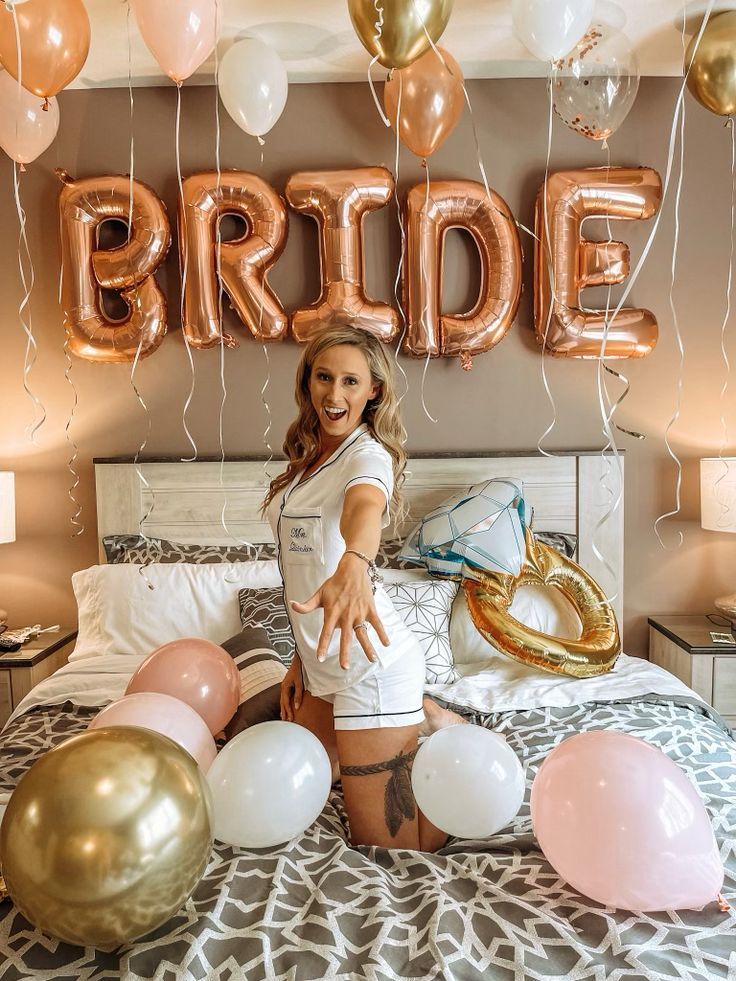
(137, 549)
(424, 607)
(265, 608)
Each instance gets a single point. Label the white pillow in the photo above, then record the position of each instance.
(542, 608)
(119, 612)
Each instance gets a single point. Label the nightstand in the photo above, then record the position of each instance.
(21, 670)
(683, 646)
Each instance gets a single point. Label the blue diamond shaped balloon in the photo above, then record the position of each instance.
(482, 527)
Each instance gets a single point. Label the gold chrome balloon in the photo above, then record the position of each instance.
(712, 74)
(106, 836)
(489, 599)
(396, 30)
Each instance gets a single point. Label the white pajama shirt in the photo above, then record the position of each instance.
(305, 519)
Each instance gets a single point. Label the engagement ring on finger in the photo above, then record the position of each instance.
(360, 626)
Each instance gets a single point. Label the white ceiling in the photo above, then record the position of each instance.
(317, 43)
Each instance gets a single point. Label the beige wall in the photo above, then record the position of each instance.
(499, 405)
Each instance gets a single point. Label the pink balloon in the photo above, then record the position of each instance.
(180, 34)
(162, 713)
(621, 822)
(197, 672)
(26, 129)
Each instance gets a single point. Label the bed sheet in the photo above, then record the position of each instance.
(491, 909)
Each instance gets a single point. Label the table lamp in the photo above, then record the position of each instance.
(718, 509)
(7, 515)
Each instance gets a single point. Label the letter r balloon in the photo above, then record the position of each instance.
(565, 262)
(243, 263)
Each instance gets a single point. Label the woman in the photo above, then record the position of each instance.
(357, 679)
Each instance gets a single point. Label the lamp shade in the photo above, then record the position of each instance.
(7, 506)
(718, 493)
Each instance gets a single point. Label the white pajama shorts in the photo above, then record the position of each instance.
(388, 697)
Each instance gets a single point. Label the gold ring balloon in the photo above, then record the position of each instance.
(106, 836)
(397, 32)
(711, 69)
(490, 597)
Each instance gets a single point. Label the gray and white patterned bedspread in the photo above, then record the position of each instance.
(477, 910)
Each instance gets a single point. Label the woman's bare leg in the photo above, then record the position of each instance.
(316, 715)
(379, 814)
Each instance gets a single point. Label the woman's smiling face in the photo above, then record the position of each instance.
(340, 385)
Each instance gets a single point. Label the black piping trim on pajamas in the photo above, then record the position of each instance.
(376, 715)
(366, 476)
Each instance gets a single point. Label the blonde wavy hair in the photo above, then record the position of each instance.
(381, 414)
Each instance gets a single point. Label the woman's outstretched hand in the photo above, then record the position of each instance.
(347, 600)
(292, 689)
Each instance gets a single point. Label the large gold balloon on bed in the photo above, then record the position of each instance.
(491, 594)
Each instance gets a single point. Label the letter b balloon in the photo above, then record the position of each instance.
(621, 822)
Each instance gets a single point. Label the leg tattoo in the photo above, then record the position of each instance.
(398, 796)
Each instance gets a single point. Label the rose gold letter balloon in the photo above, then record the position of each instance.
(244, 262)
(562, 326)
(339, 200)
(84, 205)
(53, 36)
(459, 204)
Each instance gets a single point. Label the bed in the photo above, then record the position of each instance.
(318, 908)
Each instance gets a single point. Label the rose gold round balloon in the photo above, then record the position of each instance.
(197, 672)
(54, 43)
(561, 324)
(244, 262)
(339, 201)
(459, 204)
(83, 206)
(428, 99)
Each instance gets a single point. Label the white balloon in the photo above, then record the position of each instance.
(550, 28)
(26, 128)
(268, 785)
(253, 84)
(468, 781)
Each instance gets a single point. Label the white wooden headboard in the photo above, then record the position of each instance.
(183, 502)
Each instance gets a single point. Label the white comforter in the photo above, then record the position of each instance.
(500, 685)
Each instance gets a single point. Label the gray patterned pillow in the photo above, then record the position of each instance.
(265, 608)
(424, 606)
(562, 541)
(388, 553)
(143, 551)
